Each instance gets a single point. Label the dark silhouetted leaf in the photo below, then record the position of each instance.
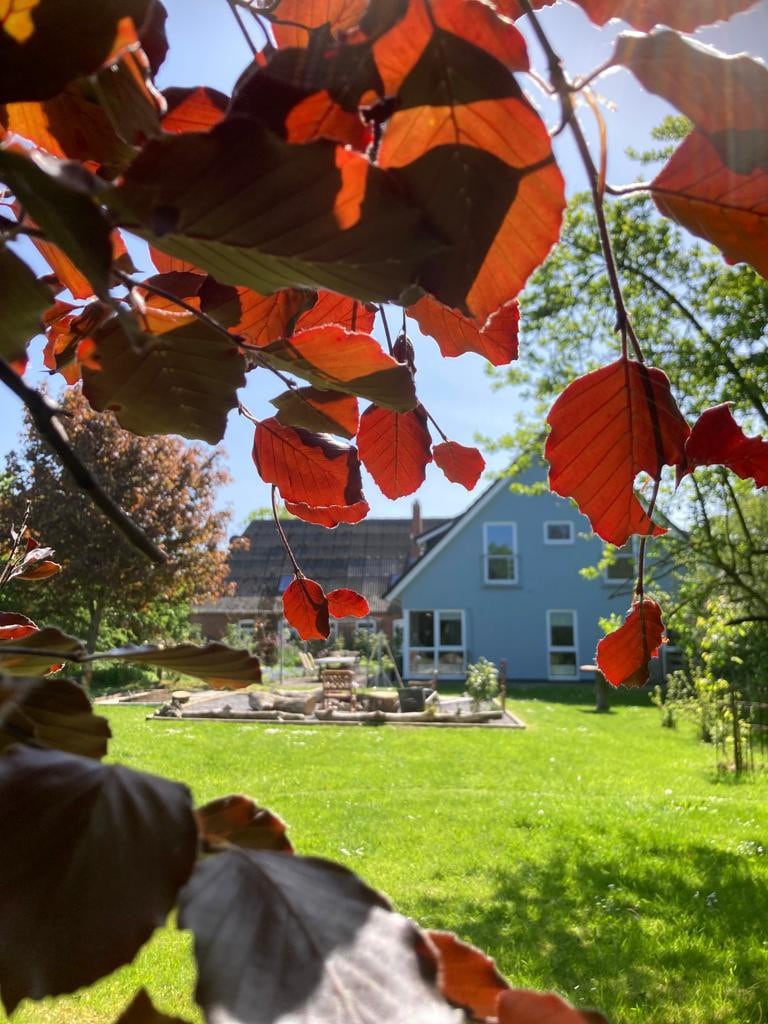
(184, 381)
(23, 299)
(321, 411)
(685, 15)
(623, 655)
(460, 464)
(28, 638)
(330, 357)
(99, 845)
(395, 448)
(59, 40)
(55, 713)
(328, 515)
(606, 427)
(305, 606)
(715, 202)
(69, 218)
(222, 667)
(467, 977)
(318, 215)
(456, 334)
(299, 939)
(310, 468)
(193, 110)
(717, 440)
(129, 98)
(239, 821)
(142, 1011)
(344, 602)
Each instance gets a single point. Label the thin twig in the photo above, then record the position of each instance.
(434, 423)
(238, 18)
(9, 563)
(380, 308)
(45, 417)
(283, 539)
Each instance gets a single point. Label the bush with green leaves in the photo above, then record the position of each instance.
(482, 681)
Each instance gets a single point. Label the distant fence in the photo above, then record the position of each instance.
(741, 739)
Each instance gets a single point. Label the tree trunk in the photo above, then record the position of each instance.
(95, 616)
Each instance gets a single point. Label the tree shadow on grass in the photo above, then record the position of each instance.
(664, 934)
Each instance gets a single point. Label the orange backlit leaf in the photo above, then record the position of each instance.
(338, 15)
(166, 264)
(344, 603)
(305, 606)
(193, 110)
(263, 319)
(330, 357)
(711, 200)
(717, 440)
(496, 340)
(522, 1006)
(330, 308)
(67, 330)
(319, 117)
(329, 516)
(467, 977)
(322, 411)
(606, 427)
(238, 821)
(461, 465)
(395, 448)
(471, 149)
(623, 655)
(313, 469)
(17, 19)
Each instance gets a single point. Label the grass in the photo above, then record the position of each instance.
(598, 855)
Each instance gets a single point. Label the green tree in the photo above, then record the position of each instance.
(108, 588)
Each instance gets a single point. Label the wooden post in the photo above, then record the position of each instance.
(602, 690)
(503, 683)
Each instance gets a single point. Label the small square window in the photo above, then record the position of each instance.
(558, 532)
(622, 568)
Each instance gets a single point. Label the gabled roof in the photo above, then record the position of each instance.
(454, 528)
(368, 557)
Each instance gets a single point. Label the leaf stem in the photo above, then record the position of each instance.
(45, 418)
(380, 308)
(238, 18)
(283, 539)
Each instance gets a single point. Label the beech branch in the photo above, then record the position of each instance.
(45, 417)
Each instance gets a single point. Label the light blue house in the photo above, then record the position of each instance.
(502, 581)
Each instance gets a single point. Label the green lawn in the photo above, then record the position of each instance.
(601, 856)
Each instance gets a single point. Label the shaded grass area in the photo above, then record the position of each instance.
(599, 855)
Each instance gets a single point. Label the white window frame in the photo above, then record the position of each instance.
(620, 581)
(570, 539)
(366, 626)
(561, 648)
(513, 580)
(436, 647)
(245, 628)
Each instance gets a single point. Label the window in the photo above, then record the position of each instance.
(562, 651)
(245, 629)
(365, 626)
(436, 642)
(622, 568)
(500, 553)
(558, 532)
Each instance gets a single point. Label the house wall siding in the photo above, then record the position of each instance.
(510, 621)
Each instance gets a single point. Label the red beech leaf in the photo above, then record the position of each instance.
(461, 465)
(395, 448)
(338, 15)
(684, 15)
(193, 110)
(713, 201)
(304, 940)
(36, 644)
(239, 821)
(521, 1006)
(467, 977)
(319, 117)
(313, 469)
(222, 667)
(264, 319)
(722, 95)
(471, 149)
(305, 606)
(166, 264)
(143, 1011)
(330, 357)
(42, 570)
(69, 343)
(328, 516)
(606, 427)
(67, 273)
(623, 655)
(14, 625)
(456, 334)
(717, 440)
(23, 300)
(53, 713)
(344, 602)
(85, 842)
(322, 411)
(128, 96)
(339, 311)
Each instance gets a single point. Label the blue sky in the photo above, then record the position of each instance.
(207, 49)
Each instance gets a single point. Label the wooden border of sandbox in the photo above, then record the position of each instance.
(494, 719)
